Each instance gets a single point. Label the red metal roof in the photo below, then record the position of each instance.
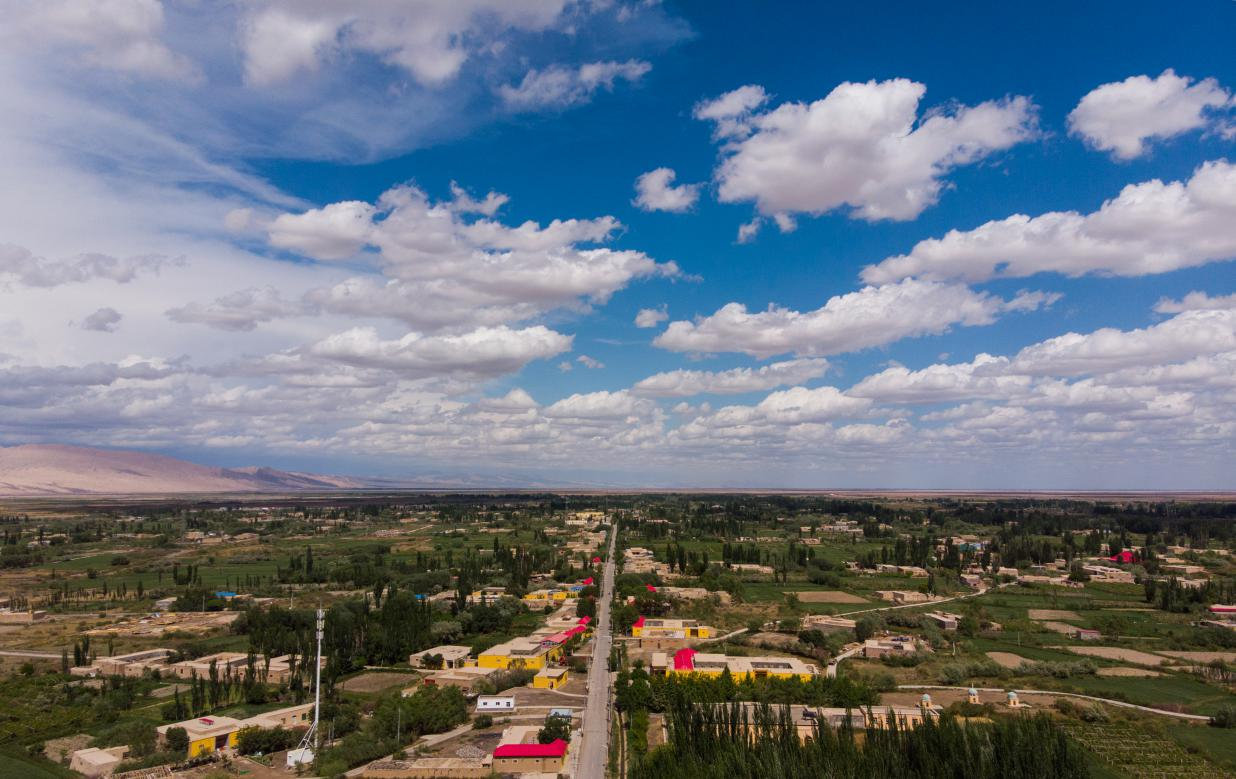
(585, 620)
(639, 623)
(1219, 608)
(587, 581)
(596, 559)
(650, 588)
(684, 660)
(555, 748)
(557, 638)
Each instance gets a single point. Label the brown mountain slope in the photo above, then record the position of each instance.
(56, 469)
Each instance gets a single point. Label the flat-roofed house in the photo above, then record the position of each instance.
(292, 717)
(94, 762)
(470, 679)
(520, 653)
(943, 619)
(550, 678)
(495, 703)
(451, 656)
(213, 734)
(670, 628)
(689, 661)
(207, 734)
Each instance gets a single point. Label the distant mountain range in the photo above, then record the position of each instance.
(55, 469)
(34, 470)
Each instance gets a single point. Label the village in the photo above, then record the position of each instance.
(547, 641)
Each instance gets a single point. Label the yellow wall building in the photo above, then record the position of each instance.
(207, 734)
(550, 678)
(670, 628)
(519, 653)
(689, 661)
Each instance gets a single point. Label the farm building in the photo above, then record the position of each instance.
(495, 703)
(520, 653)
(212, 734)
(943, 619)
(451, 657)
(94, 762)
(469, 679)
(550, 678)
(207, 734)
(689, 661)
(670, 628)
(530, 758)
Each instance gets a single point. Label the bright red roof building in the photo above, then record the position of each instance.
(587, 581)
(684, 660)
(1125, 556)
(585, 620)
(555, 748)
(596, 559)
(650, 588)
(639, 623)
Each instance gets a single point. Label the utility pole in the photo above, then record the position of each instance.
(317, 682)
(308, 750)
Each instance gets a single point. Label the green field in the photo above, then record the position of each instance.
(1131, 750)
(1193, 695)
(12, 765)
(1217, 744)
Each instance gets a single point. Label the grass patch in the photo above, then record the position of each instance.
(1217, 744)
(29, 768)
(1172, 689)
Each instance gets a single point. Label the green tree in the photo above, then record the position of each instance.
(177, 740)
(555, 728)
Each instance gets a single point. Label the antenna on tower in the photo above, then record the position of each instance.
(307, 751)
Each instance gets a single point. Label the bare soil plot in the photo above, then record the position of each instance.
(56, 749)
(826, 596)
(1008, 659)
(376, 681)
(1054, 614)
(1127, 671)
(1116, 653)
(780, 640)
(1202, 657)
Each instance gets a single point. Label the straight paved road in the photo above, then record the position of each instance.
(594, 746)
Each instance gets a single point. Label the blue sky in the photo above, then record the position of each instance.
(874, 245)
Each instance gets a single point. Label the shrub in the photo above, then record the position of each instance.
(1225, 717)
(251, 741)
(1059, 670)
(177, 740)
(482, 721)
(954, 674)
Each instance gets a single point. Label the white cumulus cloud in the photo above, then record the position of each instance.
(1122, 116)
(651, 317)
(871, 316)
(427, 39)
(1151, 227)
(655, 191)
(863, 146)
(484, 352)
(735, 381)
